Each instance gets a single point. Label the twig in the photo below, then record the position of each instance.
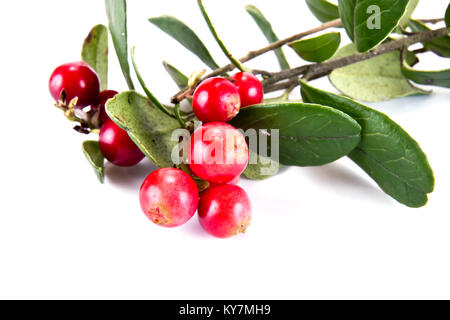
(253, 54)
(432, 21)
(282, 85)
(314, 71)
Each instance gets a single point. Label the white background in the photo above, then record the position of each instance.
(324, 232)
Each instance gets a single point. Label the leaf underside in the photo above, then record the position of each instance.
(264, 168)
(386, 152)
(95, 53)
(91, 150)
(377, 79)
(149, 127)
(412, 5)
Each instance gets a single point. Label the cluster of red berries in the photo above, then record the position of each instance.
(79, 81)
(218, 152)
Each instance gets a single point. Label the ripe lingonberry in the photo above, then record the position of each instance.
(225, 211)
(104, 96)
(117, 146)
(250, 89)
(169, 197)
(216, 99)
(77, 79)
(218, 152)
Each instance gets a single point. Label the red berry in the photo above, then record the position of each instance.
(117, 146)
(250, 89)
(225, 211)
(104, 96)
(218, 152)
(169, 197)
(77, 79)
(216, 99)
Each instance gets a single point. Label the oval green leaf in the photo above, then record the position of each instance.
(186, 37)
(238, 64)
(95, 53)
(369, 22)
(149, 127)
(386, 152)
(91, 150)
(117, 16)
(177, 76)
(447, 16)
(376, 79)
(267, 30)
(431, 78)
(263, 168)
(310, 135)
(323, 10)
(440, 46)
(318, 49)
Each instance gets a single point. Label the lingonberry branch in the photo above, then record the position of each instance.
(314, 71)
(288, 78)
(432, 21)
(256, 53)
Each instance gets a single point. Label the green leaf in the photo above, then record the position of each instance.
(440, 46)
(310, 135)
(149, 94)
(323, 10)
(377, 79)
(412, 5)
(238, 64)
(117, 16)
(447, 16)
(433, 78)
(369, 22)
(268, 32)
(95, 53)
(149, 127)
(91, 150)
(263, 169)
(186, 37)
(386, 152)
(318, 49)
(180, 79)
